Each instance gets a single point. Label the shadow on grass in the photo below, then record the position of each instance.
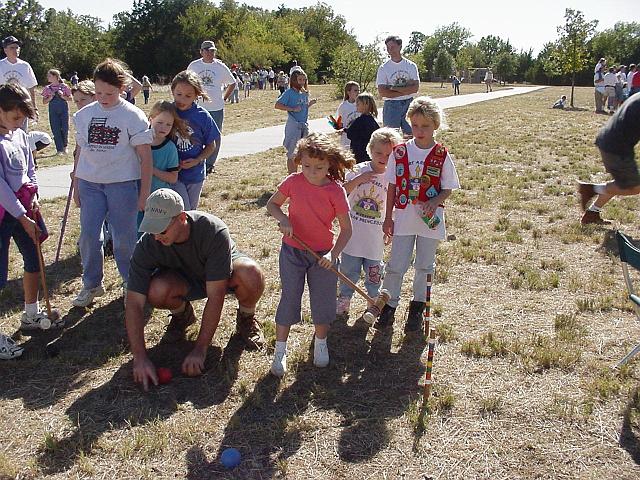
(630, 431)
(366, 385)
(55, 360)
(12, 295)
(121, 404)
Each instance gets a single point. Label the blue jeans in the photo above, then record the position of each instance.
(218, 117)
(190, 193)
(59, 122)
(373, 273)
(401, 253)
(10, 227)
(394, 114)
(120, 201)
(235, 98)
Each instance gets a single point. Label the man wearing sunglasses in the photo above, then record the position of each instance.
(186, 256)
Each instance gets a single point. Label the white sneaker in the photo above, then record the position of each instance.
(86, 296)
(39, 321)
(8, 348)
(342, 306)
(320, 354)
(279, 364)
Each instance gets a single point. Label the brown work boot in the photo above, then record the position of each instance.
(586, 192)
(249, 330)
(180, 321)
(594, 218)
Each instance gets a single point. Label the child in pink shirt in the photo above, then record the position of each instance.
(315, 200)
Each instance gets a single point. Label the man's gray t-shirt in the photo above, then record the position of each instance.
(206, 256)
(622, 132)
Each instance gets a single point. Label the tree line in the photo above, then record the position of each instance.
(160, 37)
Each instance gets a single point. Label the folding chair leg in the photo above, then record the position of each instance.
(629, 356)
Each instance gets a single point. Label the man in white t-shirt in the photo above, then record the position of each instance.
(213, 74)
(13, 69)
(397, 81)
(488, 80)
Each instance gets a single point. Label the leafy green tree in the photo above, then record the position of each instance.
(444, 65)
(468, 57)
(491, 46)
(358, 63)
(505, 66)
(73, 42)
(620, 44)
(524, 61)
(450, 38)
(571, 54)
(415, 43)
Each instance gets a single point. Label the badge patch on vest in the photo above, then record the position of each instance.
(432, 192)
(400, 151)
(433, 171)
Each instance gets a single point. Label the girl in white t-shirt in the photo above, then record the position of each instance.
(347, 111)
(421, 176)
(367, 190)
(112, 175)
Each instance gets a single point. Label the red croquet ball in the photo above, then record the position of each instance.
(164, 375)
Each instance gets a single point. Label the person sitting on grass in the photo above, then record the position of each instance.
(186, 256)
(560, 103)
(616, 141)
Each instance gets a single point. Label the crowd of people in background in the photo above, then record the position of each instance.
(613, 84)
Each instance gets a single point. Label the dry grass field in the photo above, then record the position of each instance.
(256, 111)
(529, 308)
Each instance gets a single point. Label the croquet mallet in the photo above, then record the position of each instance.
(52, 313)
(375, 304)
(64, 221)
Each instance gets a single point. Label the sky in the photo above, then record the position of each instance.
(525, 24)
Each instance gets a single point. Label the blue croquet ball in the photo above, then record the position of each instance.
(230, 458)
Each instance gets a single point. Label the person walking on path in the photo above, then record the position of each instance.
(213, 74)
(185, 256)
(146, 88)
(616, 141)
(16, 70)
(488, 80)
(397, 81)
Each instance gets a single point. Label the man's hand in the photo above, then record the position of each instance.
(31, 228)
(144, 372)
(429, 207)
(328, 261)
(193, 364)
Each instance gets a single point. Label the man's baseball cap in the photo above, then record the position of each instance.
(10, 40)
(208, 45)
(162, 205)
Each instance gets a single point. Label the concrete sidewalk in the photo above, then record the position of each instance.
(54, 181)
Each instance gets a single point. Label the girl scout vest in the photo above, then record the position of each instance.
(421, 188)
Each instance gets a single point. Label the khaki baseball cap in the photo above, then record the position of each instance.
(162, 205)
(208, 45)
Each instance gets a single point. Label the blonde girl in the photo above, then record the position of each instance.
(315, 199)
(193, 149)
(295, 101)
(360, 130)
(347, 111)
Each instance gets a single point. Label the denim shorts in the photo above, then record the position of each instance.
(394, 114)
(294, 131)
(10, 227)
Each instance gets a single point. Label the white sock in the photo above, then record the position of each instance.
(321, 341)
(600, 188)
(32, 309)
(281, 347)
(594, 208)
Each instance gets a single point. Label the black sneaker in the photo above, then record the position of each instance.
(180, 321)
(386, 318)
(211, 169)
(415, 319)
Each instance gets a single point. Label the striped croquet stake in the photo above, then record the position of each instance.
(427, 374)
(427, 306)
(431, 335)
